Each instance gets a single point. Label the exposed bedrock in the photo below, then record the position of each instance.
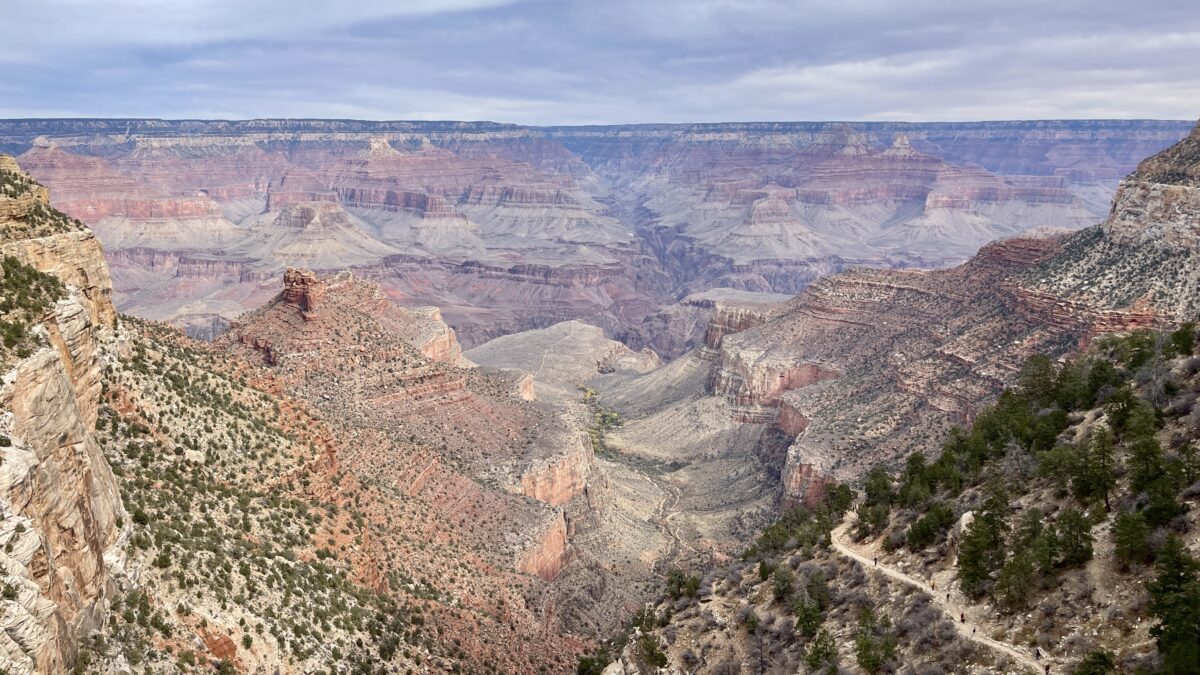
(60, 505)
(550, 554)
(746, 382)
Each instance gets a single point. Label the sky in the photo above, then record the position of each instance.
(547, 62)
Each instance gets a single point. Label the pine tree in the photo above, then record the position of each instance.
(1101, 376)
(1075, 538)
(878, 487)
(1189, 463)
(818, 590)
(1071, 390)
(1044, 552)
(1102, 466)
(1120, 407)
(1184, 339)
(1141, 420)
(783, 583)
(1031, 527)
(823, 650)
(1038, 379)
(808, 617)
(1161, 502)
(874, 644)
(1062, 464)
(1146, 461)
(1130, 543)
(1096, 663)
(1175, 602)
(994, 516)
(1014, 583)
(974, 552)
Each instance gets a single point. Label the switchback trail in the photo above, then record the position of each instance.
(663, 513)
(969, 630)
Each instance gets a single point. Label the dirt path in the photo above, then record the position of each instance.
(667, 513)
(952, 608)
(663, 513)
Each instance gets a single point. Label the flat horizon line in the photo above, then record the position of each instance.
(244, 120)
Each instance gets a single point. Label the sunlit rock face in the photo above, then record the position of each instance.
(507, 228)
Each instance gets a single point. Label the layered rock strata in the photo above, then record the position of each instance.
(61, 512)
(508, 228)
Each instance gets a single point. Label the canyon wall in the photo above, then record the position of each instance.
(507, 228)
(61, 520)
(1144, 257)
(866, 365)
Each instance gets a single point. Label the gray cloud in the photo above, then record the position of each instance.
(569, 61)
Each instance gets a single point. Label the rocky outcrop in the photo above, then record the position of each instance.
(559, 479)
(59, 503)
(790, 420)
(701, 319)
(302, 289)
(437, 340)
(1142, 261)
(468, 452)
(1177, 165)
(914, 351)
(803, 484)
(749, 383)
(549, 553)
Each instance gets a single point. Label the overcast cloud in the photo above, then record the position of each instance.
(598, 61)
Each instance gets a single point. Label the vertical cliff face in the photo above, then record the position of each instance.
(59, 505)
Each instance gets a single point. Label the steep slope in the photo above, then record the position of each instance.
(1058, 532)
(333, 446)
(492, 464)
(62, 523)
(1145, 254)
(1038, 522)
(699, 318)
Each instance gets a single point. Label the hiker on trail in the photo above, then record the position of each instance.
(877, 561)
(1047, 669)
(962, 617)
(972, 630)
(947, 596)
(932, 584)
(1037, 654)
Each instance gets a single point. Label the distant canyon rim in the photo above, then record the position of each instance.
(507, 228)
